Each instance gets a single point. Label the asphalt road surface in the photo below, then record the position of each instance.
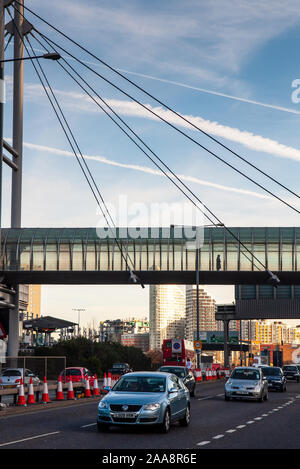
(215, 424)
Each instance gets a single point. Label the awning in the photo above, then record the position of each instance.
(47, 324)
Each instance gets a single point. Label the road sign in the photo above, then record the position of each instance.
(217, 337)
(197, 344)
(2, 332)
(176, 346)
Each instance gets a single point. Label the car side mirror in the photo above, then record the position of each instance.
(107, 388)
(172, 390)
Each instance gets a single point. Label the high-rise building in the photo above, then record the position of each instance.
(207, 309)
(167, 314)
(34, 302)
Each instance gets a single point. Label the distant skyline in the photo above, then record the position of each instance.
(231, 71)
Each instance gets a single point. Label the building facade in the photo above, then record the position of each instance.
(207, 309)
(167, 314)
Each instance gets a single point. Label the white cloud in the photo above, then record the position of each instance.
(145, 169)
(82, 102)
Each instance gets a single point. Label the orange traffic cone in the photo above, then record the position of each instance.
(45, 395)
(59, 392)
(70, 394)
(87, 390)
(95, 387)
(30, 397)
(21, 396)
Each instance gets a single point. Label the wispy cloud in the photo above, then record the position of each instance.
(145, 169)
(82, 102)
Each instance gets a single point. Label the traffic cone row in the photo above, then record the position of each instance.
(198, 375)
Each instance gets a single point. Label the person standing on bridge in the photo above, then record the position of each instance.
(218, 262)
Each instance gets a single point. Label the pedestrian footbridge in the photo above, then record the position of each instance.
(156, 255)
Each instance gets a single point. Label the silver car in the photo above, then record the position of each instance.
(246, 383)
(11, 377)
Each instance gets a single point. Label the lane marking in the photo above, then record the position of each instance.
(203, 398)
(231, 430)
(89, 425)
(264, 415)
(241, 426)
(202, 443)
(250, 421)
(258, 418)
(217, 437)
(27, 439)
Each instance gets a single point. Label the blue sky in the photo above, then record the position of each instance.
(242, 49)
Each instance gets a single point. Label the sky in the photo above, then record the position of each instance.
(231, 67)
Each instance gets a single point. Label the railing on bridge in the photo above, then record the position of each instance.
(81, 249)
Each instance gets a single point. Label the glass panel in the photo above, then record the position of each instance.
(284, 291)
(77, 260)
(245, 257)
(232, 257)
(164, 255)
(287, 257)
(273, 256)
(91, 256)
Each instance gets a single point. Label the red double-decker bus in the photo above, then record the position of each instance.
(177, 351)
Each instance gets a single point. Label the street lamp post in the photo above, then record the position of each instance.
(78, 311)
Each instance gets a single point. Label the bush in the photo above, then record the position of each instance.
(97, 357)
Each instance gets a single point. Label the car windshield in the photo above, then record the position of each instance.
(140, 384)
(11, 373)
(290, 368)
(177, 371)
(245, 374)
(270, 371)
(73, 373)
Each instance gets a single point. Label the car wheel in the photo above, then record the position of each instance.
(187, 418)
(165, 427)
(227, 398)
(266, 396)
(102, 427)
(261, 398)
(192, 393)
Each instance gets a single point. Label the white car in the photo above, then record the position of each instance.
(246, 383)
(11, 377)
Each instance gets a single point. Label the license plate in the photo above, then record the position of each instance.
(124, 415)
(243, 392)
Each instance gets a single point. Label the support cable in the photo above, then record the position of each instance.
(162, 170)
(161, 103)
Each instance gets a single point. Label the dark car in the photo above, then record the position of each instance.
(291, 372)
(275, 377)
(184, 373)
(120, 369)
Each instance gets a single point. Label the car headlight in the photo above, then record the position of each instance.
(103, 405)
(151, 406)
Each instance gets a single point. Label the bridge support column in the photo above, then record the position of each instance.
(13, 335)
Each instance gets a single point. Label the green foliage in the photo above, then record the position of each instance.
(97, 357)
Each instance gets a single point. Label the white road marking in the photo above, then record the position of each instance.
(27, 439)
(202, 443)
(203, 398)
(230, 431)
(250, 421)
(258, 418)
(222, 394)
(241, 426)
(89, 425)
(275, 410)
(264, 415)
(217, 437)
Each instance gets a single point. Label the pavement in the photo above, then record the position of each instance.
(215, 424)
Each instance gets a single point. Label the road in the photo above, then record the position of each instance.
(215, 424)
